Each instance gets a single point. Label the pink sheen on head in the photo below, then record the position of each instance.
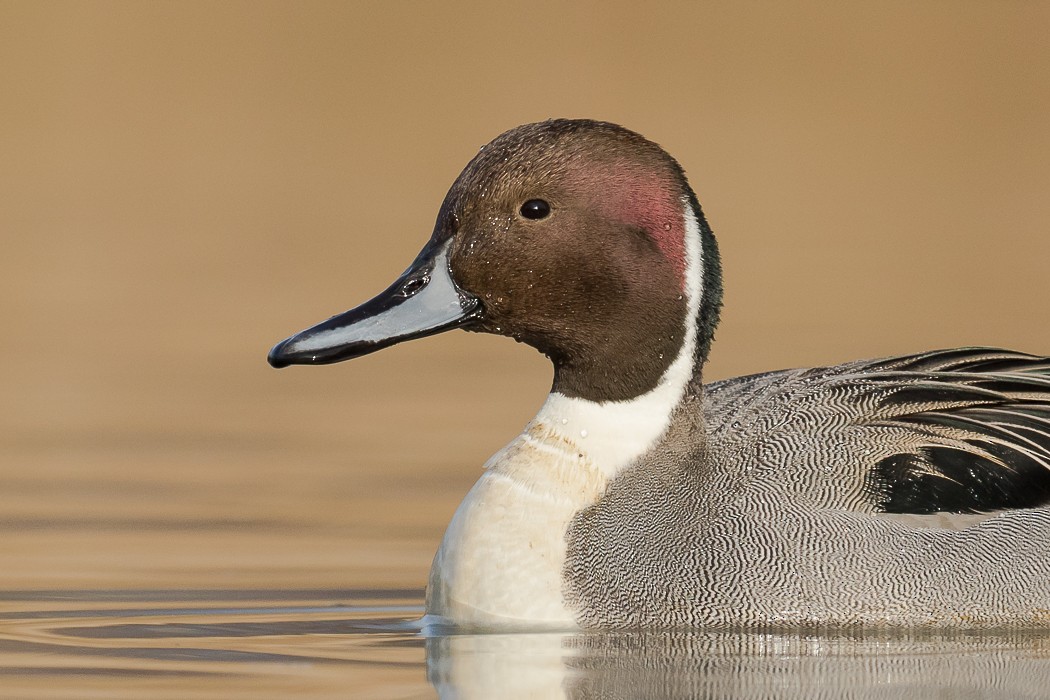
(650, 202)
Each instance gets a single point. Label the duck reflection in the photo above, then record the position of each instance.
(735, 664)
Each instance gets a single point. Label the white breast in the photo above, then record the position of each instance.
(500, 563)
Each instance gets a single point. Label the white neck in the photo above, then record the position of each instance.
(611, 434)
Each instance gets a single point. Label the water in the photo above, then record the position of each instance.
(367, 643)
(214, 567)
(242, 569)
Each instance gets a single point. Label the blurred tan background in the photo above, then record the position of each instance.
(183, 184)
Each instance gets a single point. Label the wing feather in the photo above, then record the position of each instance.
(979, 427)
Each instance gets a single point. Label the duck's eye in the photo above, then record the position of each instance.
(535, 209)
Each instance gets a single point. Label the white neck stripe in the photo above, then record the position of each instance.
(612, 434)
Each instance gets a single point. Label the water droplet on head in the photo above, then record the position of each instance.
(667, 227)
(583, 433)
(736, 425)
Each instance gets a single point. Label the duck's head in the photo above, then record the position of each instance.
(580, 238)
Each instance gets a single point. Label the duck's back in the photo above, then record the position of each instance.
(912, 490)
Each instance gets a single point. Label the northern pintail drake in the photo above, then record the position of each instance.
(903, 491)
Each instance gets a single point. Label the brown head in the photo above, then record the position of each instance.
(570, 235)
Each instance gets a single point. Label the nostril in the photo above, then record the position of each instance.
(414, 285)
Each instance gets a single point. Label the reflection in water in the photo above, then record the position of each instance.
(367, 644)
(741, 664)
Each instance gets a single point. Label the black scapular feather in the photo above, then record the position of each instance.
(982, 417)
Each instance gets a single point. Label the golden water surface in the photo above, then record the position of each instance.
(183, 184)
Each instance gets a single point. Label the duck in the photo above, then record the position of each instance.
(905, 491)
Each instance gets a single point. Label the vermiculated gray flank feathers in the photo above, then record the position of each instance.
(784, 509)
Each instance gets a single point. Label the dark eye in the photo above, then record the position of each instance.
(535, 209)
